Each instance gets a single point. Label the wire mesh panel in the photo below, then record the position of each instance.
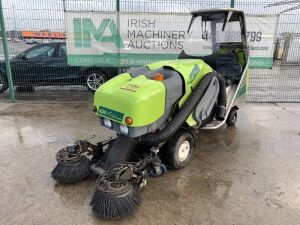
(282, 82)
(37, 35)
(3, 93)
(184, 6)
(36, 38)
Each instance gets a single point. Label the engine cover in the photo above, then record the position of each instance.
(147, 101)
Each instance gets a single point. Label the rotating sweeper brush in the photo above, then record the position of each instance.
(156, 111)
(73, 164)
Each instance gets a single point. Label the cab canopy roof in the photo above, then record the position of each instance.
(214, 14)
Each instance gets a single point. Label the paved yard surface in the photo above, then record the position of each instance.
(248, 174)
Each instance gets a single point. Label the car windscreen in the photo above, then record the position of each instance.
(42, 51)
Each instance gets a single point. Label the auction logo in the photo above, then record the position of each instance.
(84, 29)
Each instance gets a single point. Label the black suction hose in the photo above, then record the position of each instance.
(222, 98)
(176, 123)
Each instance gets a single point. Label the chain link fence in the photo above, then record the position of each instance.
(41, 26)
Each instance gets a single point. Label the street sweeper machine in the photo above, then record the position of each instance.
(156, 111)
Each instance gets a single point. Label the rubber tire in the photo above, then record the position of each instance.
(232, 117)
(170, 153)
(92, 72)
(5, 84)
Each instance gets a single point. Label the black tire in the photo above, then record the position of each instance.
(3, 83)
(94, 80)
(232, 117)
(178, 152)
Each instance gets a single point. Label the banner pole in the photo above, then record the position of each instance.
(232, 3)
(6, 56)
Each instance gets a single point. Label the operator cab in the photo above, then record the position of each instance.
(222, 43)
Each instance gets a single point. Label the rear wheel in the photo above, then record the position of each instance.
(232, 117)
(178, 152)
(3, 83)
(94, 80)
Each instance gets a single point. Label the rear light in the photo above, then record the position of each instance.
(128, 120)
(107, 123)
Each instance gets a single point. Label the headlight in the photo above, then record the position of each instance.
(124, 129)
(107, 123)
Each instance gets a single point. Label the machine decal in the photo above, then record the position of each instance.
(131, 87)
(194, 73)
(114, 115)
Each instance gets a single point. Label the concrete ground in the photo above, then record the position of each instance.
(248, 174)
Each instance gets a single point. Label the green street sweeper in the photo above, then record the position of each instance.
(156, 111)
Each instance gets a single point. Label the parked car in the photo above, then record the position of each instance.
(46, 65)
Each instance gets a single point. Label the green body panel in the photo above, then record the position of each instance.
(193, 70)
(144, 99)
(140, 98)
(243, 89)
(241, 57)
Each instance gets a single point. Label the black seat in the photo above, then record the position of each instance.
(225, 64)
(228, 66)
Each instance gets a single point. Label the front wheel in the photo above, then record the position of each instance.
(3, 83)
(178, 152)
(94, 80)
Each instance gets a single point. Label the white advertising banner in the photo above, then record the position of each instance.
(261, 33)
(93, 39)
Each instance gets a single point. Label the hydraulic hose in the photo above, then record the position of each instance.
(222, 98)
(176, 123)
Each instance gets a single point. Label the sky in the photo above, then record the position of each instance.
(49, 15)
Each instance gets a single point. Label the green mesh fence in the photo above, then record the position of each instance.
(49, 78)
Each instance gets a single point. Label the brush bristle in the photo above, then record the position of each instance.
(113, 206)
(71, 172)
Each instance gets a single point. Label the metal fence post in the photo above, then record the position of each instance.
(232, 3)
(6, 55)
(118, 27)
